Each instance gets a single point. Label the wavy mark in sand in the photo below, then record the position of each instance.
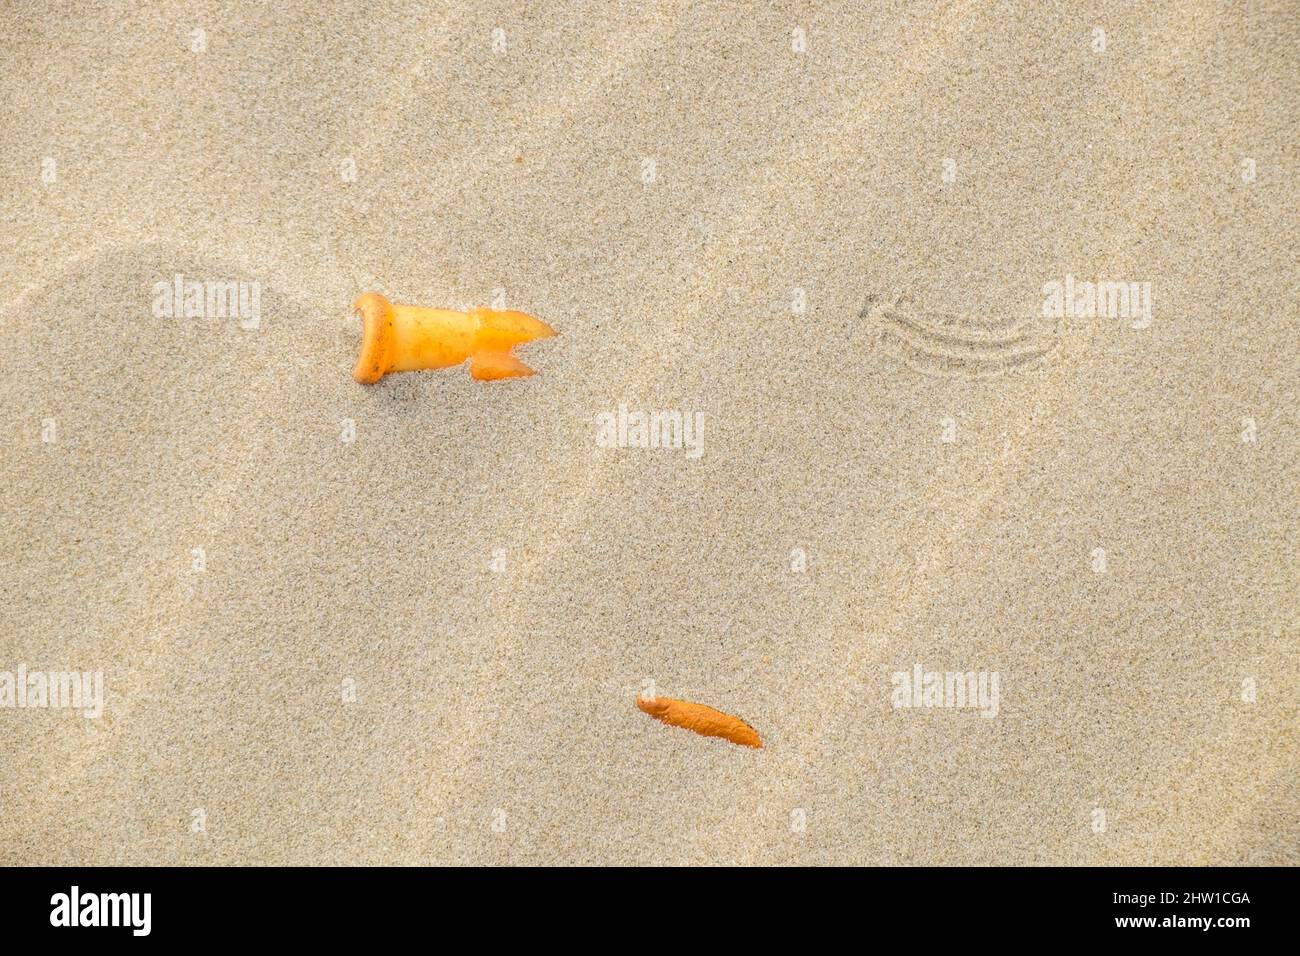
(952, 345)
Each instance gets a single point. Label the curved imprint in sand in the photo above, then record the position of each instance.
(950, 345)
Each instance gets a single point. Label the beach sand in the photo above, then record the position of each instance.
(408, 623)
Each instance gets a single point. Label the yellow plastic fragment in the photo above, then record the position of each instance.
(701, 719)
(407, 338)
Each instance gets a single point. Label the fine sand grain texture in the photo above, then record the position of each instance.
(408, 623)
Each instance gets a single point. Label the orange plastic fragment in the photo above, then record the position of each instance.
(407, 338)
(701, 719)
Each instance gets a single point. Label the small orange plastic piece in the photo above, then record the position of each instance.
(406, 338)
(701, 719)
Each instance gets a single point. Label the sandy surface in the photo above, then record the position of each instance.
(347, 678)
